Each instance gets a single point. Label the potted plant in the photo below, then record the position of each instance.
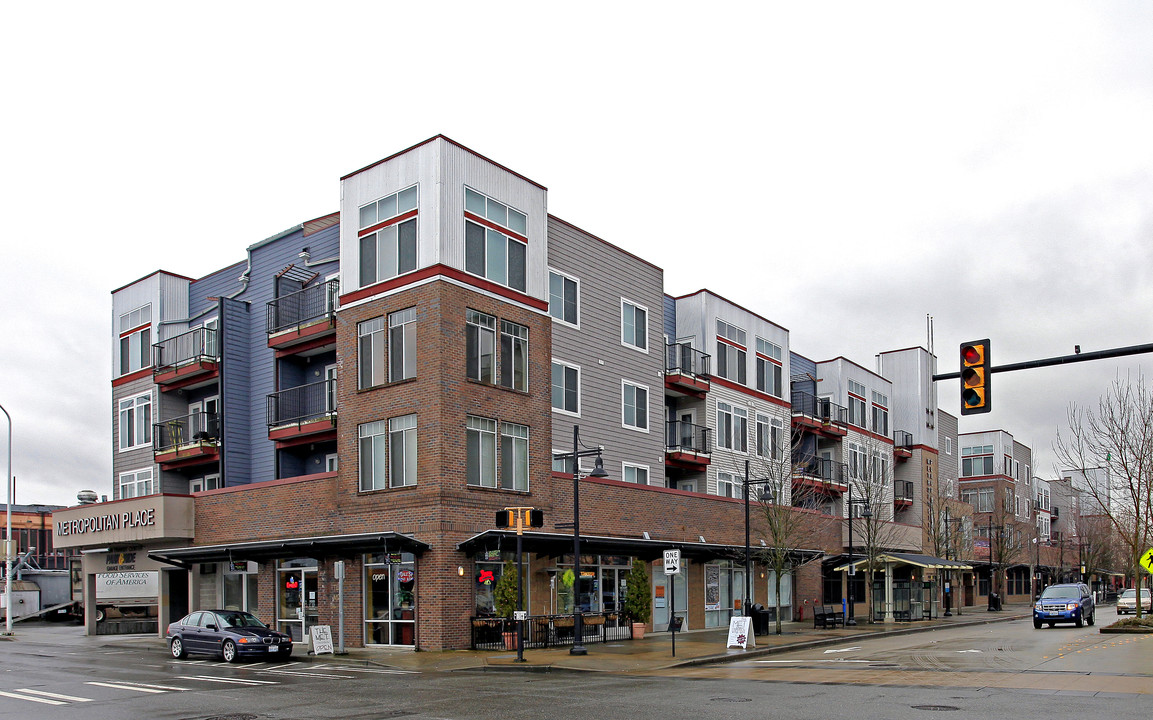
(504, 601)
(638, 601)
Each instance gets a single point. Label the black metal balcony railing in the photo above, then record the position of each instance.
(1054, 511)
(823, 468)
(822, 408)
(902, 439)
(302, 403)
(683, 358)
(684, 436)
(311, 303)
(176, 432)
(903, 490)
(549, 630)
(196, 344)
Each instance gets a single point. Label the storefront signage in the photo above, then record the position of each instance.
(405, 576)
(113, 586)
(321, 639)
(107, 523)
(741, 633)
(120, 561)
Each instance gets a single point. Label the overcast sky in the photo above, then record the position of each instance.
(844, 169)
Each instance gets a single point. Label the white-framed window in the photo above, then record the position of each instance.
(948, 446)
(857, 460)
(495, 240)
(136, 339)
(857, 412)
(370, 353)
(728, 485)
(634, 406)
(981, 499)
(514, 457)
(388, 453)
(331, 462)
(136, 421)
(976, 461)
(208, 482)
(481, 346)
(769, 436)
(402, 344)
(880, 414)
(387, 237)
(137, 483)
(373, 455)
(402, 451)
(638, 474)
(480, 449)
(564, 297)
(732, 427)
(566, 388)
(634, 325)
(513, 355)
(770, 368)
(731, 359)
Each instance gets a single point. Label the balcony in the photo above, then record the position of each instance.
(823, 476)
(688, 446)
(1054, 513)
(186, 361)
(188, 440)
(902, 494)
(902, 444)
(686, 370)
(303, 320)
(306, 413)
(819, 415)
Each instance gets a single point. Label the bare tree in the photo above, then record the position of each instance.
(871, 480)
(1008, 540)
(948, 524)
(1118, 438)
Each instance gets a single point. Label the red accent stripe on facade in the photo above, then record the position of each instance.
(126, 333)
(381, 225)
(448, 272)
(125, 379)
(749, 391)
(499, 228)
(726, 341)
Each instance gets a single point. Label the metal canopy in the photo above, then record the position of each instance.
(556, 544)
(285, 547)
(924, 561)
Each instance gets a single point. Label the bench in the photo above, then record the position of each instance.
(825, 617)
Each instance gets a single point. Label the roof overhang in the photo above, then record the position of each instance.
(288, 547)
(922, 561)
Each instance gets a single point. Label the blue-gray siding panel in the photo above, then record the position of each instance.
(234, 392)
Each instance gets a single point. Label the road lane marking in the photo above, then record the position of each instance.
(56, 696)
(841, 650)
(304, 673)
(230, 681)
(46, 701)
(119, 686)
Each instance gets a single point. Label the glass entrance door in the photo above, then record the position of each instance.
(666, 587)
(390, 599)
(296, 607)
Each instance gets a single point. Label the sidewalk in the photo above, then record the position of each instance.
(654, 652)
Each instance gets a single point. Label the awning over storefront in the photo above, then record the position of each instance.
(557, 544)
(923, 561)
(290, 547)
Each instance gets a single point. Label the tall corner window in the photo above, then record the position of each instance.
(370, 353)
(495, 240)
(634, 325)
(402, 447)
(634, 406)
(480, 452)
(136, 339)
(857, 395)
(513, 457)
(728, 485)
(480, 351)
(513, 355)
(387, 236)
(638, 474)
(880, 413)
(731, 360)
(402, 345)
(137, 483)
(563, 297)
(770, 368)
(565, 388)
(135, 426)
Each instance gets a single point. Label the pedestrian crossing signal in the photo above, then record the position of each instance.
(529, 517)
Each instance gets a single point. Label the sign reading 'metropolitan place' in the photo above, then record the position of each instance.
(152, 518)
(105, 523)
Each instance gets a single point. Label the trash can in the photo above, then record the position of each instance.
(994, 601)
(760, 618)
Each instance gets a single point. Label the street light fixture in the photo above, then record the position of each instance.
(748, 602)
(8, 536)
(866, 513)
(578, 647)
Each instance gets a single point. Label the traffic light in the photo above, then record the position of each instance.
(976, 389)
(530, 517)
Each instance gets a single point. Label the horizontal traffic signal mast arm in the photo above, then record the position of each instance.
(1061, 360)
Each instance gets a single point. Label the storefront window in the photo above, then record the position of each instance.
(390, 599)
(296, 591)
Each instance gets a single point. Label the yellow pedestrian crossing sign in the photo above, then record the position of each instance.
(1147, 560)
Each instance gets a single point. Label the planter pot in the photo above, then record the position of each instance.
(639, 630)
(509, 641)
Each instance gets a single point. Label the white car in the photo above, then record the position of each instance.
(1127, 602)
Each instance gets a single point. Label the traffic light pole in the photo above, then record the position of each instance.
(1060, 360)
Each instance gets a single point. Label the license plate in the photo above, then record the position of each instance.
(1054, 612)
(273, 648)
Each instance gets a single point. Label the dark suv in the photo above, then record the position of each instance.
(1070, 602)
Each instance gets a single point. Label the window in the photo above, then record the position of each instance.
(136, 421)
(732, 427)
(388, 237)
(208, 482)
(513, 457)
(331, 462)
(377, 439)
(948, 446)
(136, 339)
(402, 444)
(373, 455)
(981, 499)
(370, 353)
(638, 474)
(563, 294)
(769, 368)
(857, 461)
(402, 345)
(634, 325)
(857, 404)
(731, 352)
(635, 406)
(727, 485)
(481, 350)
(481, 451)
(769, 432)
(136, 484)
(513, 355)
(880, 414)
(497, 255)
(977, 461)
(565, 388)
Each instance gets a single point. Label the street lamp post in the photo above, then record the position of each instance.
(578, 647)
(948, 573)
(866, 513)
(8, 535)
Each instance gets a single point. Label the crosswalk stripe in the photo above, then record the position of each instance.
(304, 673)
(118, 686)
(57, 696)
(150, 685)
(383, 671)
(46, 701)
(233, 681)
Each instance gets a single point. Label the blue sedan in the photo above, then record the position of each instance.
(231, 634)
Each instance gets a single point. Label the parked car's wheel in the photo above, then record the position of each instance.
(177, 648)
(1052, 624)
(1079, 622)
(285, 656)
(99, 614)
(1037, 624)
(228, 651)
(1091, 619)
